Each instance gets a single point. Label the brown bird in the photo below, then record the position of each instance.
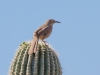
(43, 32)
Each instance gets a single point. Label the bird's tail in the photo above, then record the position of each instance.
(34, 44)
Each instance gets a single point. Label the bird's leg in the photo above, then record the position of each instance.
(44, 43)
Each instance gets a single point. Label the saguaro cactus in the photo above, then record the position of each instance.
(45, 61)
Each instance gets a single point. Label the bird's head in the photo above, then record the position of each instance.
(51, 21)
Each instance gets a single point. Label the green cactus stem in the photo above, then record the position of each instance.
(45, 61)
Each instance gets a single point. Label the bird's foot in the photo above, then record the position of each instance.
(45, 43)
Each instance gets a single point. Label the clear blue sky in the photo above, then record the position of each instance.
(77, 38)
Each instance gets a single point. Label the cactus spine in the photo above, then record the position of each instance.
(45, 61)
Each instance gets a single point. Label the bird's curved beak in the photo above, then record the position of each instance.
(57, 22)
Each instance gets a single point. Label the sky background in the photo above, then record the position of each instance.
(76, 39)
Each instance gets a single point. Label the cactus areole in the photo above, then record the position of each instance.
(45, 61)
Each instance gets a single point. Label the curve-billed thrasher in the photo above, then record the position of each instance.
(43, 32)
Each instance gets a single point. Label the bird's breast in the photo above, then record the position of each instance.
(46, 34)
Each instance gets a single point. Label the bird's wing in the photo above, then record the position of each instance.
(43, 30)
(40, 28)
